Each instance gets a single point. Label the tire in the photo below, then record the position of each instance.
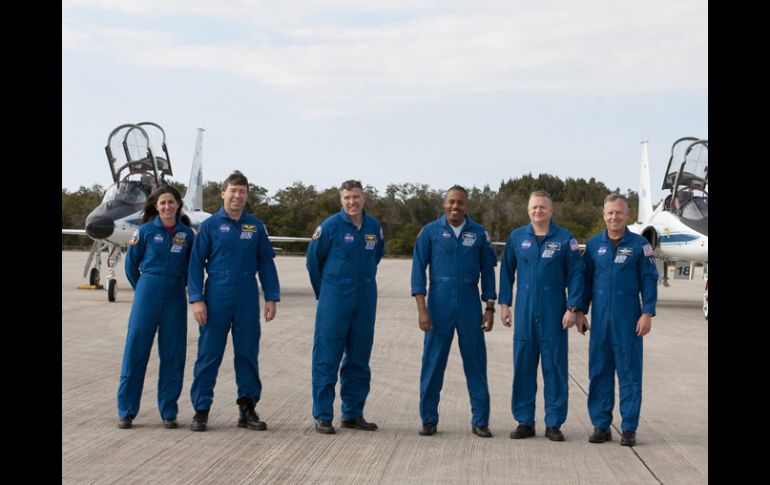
(112, 289)
(93, 277)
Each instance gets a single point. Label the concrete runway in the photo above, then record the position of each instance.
(672, 436)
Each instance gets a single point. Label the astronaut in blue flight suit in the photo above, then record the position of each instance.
(458, 251)
(547, 260)
(156, 267)
(342, 263)
(232, 246)
(619, 266)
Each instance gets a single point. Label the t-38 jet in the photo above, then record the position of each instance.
(677, 228)
(139, 162)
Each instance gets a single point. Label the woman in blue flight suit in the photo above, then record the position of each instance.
(156, 267)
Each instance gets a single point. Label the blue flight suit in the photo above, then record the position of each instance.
(232, 253)
(615, 276)
(156, 267)
(342, 264)
(453, 303)
(545, 270)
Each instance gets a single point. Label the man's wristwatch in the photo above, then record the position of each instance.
(490, 309)
(573, 309)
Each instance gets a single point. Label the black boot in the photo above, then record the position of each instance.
(200, 420)
(125, 422)
(249, 418)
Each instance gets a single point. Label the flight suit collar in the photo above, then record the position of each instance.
(551, 229)
(345, 217)
(157, 222)
(444, 222)
(623, 240)
(224, 215)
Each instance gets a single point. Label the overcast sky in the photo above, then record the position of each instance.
(437, 92)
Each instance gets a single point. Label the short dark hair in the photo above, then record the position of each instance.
(459, 188)
(235, 178)
(351, 184)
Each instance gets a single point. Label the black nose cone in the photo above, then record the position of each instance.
(100, 227)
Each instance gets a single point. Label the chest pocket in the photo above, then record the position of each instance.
(625, 256)
(603, 258)
(528, 250)
(348, 243)
(247, 236)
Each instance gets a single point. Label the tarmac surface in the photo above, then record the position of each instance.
(672, 436)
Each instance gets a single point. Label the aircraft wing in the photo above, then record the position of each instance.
(74, 232)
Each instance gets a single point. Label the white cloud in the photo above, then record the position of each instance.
(333, 57)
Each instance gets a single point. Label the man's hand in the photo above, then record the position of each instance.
(269, 310)
(200, 313)
(644, 325)
(505, 315)
(569, 319)
(423, 320)
(582, 325)
(488, 321)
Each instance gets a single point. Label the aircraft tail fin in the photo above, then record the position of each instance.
(193, 199)
(645, 203)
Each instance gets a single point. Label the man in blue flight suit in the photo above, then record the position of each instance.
(342, 263)
(619, 266)
(458, 251)
(547, 260)
(232, 246)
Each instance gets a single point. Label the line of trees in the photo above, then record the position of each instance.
(403, 208)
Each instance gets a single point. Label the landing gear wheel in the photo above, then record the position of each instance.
(93, 277)
(112, 289)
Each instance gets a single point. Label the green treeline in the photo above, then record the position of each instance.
(403, 208)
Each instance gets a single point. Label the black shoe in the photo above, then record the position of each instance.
(428, 429)
(125, 422)
(170, 423)
(600, 435)
(628, 438)
(324, 426)
(249, 418)
(553, 433)
(482, 431)
(522, 431)
(358, 423)
(200, 420)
